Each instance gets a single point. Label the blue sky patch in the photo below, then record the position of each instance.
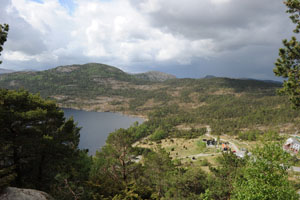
(68, 4)
(38, 1)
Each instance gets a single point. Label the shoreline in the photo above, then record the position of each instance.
(117, 112)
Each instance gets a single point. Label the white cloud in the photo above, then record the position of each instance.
(133, 32)
(16, 56)
(218, 2)
(149, 6)
(110, 30)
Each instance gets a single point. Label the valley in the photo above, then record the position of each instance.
(182, 115)
(174, 108)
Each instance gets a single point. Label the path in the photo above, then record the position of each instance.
(200, 155)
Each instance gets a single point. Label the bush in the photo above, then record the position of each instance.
(158, 135)
(204, 163)
(251, 135)
(201, 145)
(271, 136)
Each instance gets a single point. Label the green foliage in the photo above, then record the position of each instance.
(265, 175)
(114, 167)
(158, 134)
(38, 141)
(205, 162)
(187, 184)
(188, 134)
(293, 9)
(201, 145)
(3, 36)
(89, 80)
(251, 135)
(254, 135)
(71, 183)
(227, 105)
(130, 193)
(287, 65)
(56, 165)
(221, 182)
(158, 169)
(6, 169)
(271, 135)
(139, 131)
(6, 176)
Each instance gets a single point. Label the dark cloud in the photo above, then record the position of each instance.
(198, 19)
(246, 34)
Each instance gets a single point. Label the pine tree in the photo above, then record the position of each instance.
(3, 36)
(6, 174)
(39, 142)
(288, 63)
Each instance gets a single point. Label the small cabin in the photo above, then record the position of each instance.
(211, 142)
(292, 145)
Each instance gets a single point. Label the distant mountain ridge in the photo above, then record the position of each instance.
(155, 76)
(264, 80)
(209, 76)
(6, 71)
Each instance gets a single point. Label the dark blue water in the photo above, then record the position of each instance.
(97, 125)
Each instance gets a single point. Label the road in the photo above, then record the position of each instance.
(295, 169)
(200, 155)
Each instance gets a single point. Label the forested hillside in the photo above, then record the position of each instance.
(227, 105)
(40, 151)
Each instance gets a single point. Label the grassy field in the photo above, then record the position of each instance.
(182, 149)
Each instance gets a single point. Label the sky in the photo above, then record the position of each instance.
(190, 38)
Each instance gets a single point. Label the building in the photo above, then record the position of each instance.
(292, 145)
(225, 146)
(212, 142)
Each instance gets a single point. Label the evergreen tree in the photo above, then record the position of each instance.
(3, 36)
(158, 170)
(222, 178)
(6, 174)
(288, 63)
(39, 142)
(114, 165)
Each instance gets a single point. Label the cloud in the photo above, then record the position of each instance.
(207, 36)
(230, 23)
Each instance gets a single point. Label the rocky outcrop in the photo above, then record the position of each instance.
(155, 76)
(12, 193)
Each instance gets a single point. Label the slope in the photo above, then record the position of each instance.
(227, 105)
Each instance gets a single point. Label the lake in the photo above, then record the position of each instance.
(97, 125)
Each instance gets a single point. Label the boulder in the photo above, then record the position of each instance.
(12, 193)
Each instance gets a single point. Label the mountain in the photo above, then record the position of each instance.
(267, 81)
(155, 76)
(224, 103)
(210, 76)
(6, 71)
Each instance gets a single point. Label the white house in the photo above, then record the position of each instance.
(292, 144)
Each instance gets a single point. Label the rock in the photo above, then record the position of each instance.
(12, 193)
(155, 76)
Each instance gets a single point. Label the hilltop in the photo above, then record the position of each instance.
(5, 71)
